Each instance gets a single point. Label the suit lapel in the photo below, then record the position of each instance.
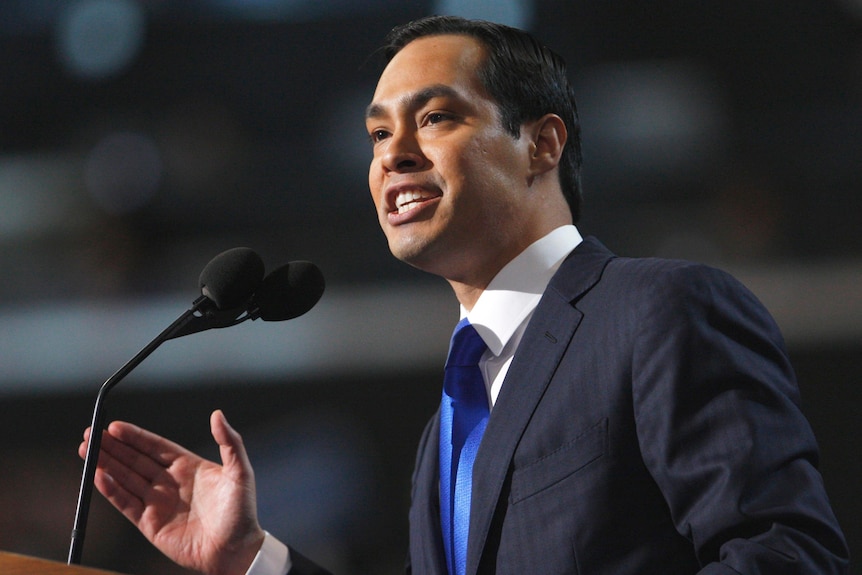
(426, 537)
(545, 340)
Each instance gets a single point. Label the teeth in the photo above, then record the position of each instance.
(406, 201)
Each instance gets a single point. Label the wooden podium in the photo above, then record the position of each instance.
(13, 564)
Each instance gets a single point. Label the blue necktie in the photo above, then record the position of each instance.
(463, 416)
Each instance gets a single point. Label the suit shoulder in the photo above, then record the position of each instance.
(594, 273)
(670, 274)
(661, 267)
(681, 288)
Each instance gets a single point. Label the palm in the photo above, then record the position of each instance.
(200, 514)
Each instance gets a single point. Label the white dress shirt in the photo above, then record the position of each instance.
(504, 309)
(500, 316)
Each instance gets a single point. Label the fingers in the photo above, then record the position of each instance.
(137, 468)
(118, 483)
(157, 448)
(231, 447)
(130, 449)
(117, 492)
(124, 475)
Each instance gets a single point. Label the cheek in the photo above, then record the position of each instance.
(374, 182)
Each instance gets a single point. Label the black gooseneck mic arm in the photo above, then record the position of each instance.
(227, 283)
(96, 428)
(234, 290)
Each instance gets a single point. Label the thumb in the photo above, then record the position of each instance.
(231, 447)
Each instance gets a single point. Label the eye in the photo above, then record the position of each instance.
(437, 117)
(377, 135)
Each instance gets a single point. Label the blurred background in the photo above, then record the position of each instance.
(138, 139)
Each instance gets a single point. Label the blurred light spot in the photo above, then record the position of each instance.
(98, 38)
(661, 118)
(517, 13)
(35, 193)
(123, 172)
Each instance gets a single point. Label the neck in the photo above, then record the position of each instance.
(470, 287)
(467, 294)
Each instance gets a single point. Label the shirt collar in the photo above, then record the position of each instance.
(515, 291)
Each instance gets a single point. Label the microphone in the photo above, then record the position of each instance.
(230, 277)
(285, 293)
(233, 289)
(288, 292)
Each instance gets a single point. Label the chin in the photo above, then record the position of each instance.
(411, 253)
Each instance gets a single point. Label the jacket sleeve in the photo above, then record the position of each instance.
(721, 430)
(302, 565)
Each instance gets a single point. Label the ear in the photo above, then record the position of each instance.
(548, 135)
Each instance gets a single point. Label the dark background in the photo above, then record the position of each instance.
(139, 139)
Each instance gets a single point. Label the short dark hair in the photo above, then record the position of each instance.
(525, 78)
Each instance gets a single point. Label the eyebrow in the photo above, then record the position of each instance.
(414, 100)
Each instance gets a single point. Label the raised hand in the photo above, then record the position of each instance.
(200, 514)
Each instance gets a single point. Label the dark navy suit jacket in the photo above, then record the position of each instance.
(649, 424)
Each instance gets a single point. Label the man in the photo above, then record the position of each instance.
(643, 414)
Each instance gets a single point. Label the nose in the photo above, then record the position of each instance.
(403, 153)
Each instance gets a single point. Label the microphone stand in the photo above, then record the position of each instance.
(300, 285)
(187, 323)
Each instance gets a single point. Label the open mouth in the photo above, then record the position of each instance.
(407, 200)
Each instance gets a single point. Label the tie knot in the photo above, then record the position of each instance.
(466, 347)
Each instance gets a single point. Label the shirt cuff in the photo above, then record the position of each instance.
(272, 559)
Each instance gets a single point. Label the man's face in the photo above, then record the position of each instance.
(446, 178)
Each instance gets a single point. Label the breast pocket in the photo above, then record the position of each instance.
(569, 458)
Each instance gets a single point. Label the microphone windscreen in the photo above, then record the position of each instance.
(289, 291)
(232, 277)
